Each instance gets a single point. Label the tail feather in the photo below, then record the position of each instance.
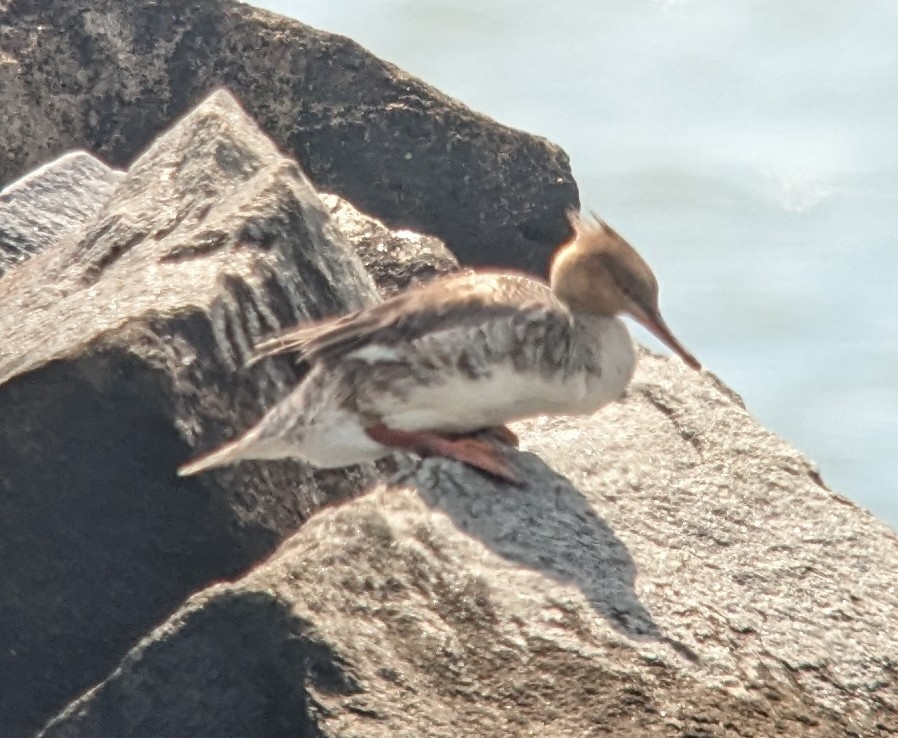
(230, 453)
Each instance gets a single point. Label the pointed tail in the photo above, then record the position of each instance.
(230, 453)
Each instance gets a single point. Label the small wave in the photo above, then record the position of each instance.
(799, 192)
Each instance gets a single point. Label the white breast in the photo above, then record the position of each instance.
(459, 403)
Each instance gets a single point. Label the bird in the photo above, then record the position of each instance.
(442, 368)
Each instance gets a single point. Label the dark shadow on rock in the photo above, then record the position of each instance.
(238, 663)
(96, 543)
(546, 524)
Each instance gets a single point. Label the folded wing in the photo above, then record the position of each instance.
(445, 303)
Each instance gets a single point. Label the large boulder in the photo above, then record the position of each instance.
(121, 355)
(108, 76)
(670, 568)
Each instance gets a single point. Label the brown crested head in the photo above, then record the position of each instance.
(597, 272)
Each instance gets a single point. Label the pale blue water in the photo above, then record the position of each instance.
(749, 149)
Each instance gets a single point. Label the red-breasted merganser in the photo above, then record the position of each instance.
(427, 369)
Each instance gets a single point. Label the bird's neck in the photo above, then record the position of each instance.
(574, 282)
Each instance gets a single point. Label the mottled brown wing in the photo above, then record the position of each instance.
(297, 340)
(453, 301)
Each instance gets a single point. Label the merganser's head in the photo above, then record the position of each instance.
(597, 272)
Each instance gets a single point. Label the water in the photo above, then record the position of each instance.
(749, 149)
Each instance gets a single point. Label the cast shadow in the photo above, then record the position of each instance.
(547, 525)
(239, 664)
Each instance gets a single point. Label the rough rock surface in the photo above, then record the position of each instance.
(50, 202)
(396, 260)
(670, 568)
(108, 76)
(120, 357)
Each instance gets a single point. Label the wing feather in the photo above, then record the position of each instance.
(453, 301)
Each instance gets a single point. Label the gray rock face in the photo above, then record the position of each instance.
(37, 210)
(120, 357)
(670, 568)
(396, 260)
(109, 76)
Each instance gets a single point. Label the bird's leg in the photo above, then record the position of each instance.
(500, 433)
(476, 452)
(504, 434)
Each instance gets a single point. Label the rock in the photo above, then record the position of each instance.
(121, 353)
(37, 210)
(109, 76)
(670, 568)
(396, 260)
